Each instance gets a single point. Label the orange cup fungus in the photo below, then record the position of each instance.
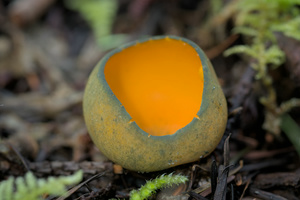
(154, 104)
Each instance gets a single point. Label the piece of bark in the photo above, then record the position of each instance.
(265, 181)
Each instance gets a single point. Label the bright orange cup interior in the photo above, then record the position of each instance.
(159, 82)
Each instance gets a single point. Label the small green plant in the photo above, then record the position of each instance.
(259, 20)
(31, 188)
(160, 182)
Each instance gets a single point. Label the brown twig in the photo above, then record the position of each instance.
(265, 195)
(220, 48)
(20, 157)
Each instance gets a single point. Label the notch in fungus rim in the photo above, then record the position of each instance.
(204, 102)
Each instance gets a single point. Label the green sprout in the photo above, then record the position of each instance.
(160, 182)
(150, 187)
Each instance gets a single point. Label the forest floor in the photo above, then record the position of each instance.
(47, 51)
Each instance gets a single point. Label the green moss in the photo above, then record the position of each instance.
(31, 188)
(259, 20)
(160, 182)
